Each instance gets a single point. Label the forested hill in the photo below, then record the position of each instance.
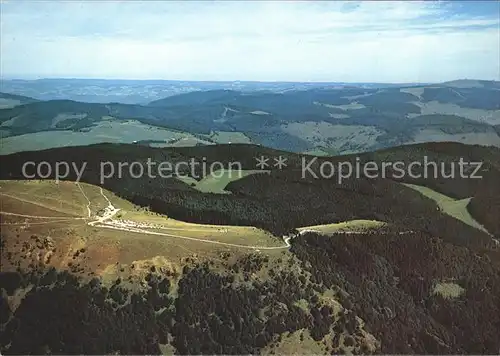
(288, 198)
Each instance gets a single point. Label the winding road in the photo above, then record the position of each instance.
(106, 221)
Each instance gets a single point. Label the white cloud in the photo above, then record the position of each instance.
(320, 41)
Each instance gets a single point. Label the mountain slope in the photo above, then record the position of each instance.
(412, 283)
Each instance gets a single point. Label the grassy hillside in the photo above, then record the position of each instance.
(452, 207)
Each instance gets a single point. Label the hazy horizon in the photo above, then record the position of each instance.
(20, 78)
(350, 42)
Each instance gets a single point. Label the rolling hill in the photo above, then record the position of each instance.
(340, 119)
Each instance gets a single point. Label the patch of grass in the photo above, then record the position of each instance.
(217, 181)
(167, 349)
(448, 290)
(63, 197)
(347, 226)
(294, 344)
(450, 206)
(302, 304)
(351, 106)
(417, 91)
(317, 151)
(126, 131)
(230, 137)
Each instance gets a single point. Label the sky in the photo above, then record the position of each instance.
(366, 41)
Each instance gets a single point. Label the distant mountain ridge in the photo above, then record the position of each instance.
(321, 120)
(127, 91)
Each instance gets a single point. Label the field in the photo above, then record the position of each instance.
(64, 225)
(452, 207)
(296, 343)
(229, 137)
(318, 151)
(114, 131)
(217, 181)
(352, 106)
(448, 290)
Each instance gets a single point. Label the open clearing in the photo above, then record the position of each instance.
(319, 151)
(217, 181)
(448, 290)
(111, 131)
(229, 137)
(293, 344)
(351, 106)
(453, 207)
(353, 226)
(417, 91)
